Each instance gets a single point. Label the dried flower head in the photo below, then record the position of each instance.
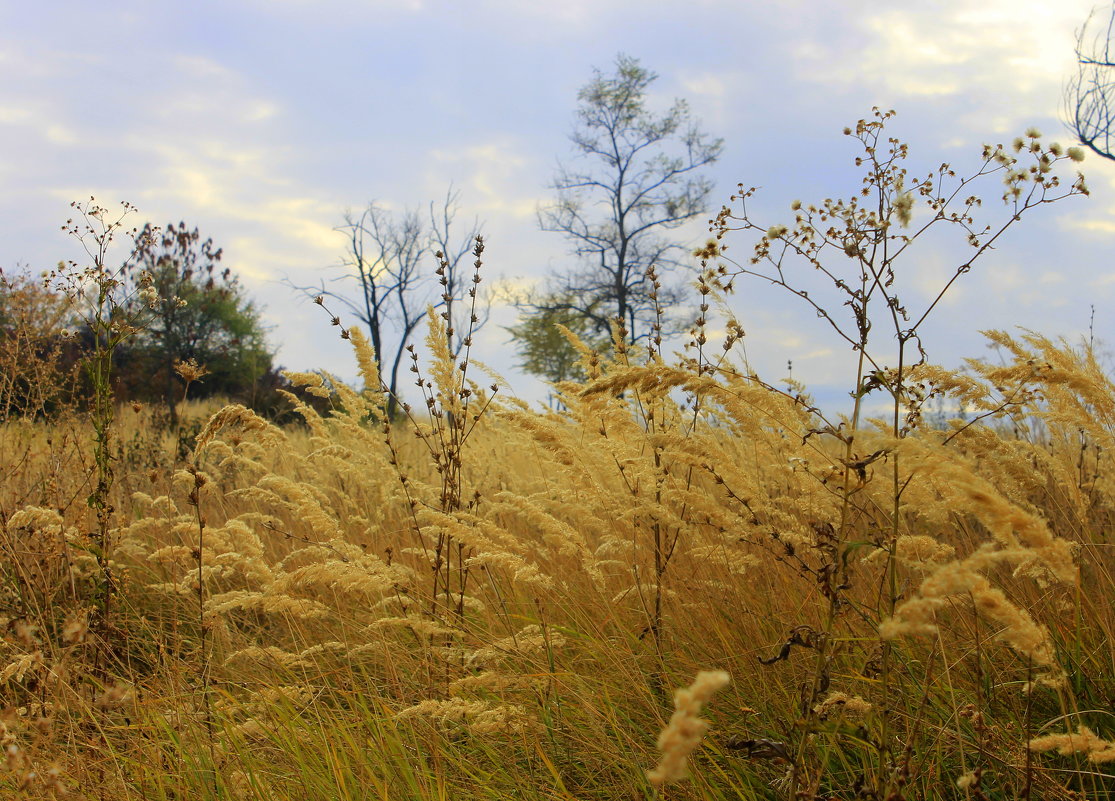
(190, 370)
(685, 729)
(903, 207)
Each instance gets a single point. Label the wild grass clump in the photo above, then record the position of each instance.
(460, 596)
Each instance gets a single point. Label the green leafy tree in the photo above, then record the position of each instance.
(199, 312)
(544, 349)
(37, 370)
(637, 177)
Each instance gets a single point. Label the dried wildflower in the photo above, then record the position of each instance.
(852, 706)
(903, 206)
(75, 629)
(21, 666)
(969, 779)
(1033, 133)
(1075, 153)
(685, 729)
(114, 697)
(190, 370)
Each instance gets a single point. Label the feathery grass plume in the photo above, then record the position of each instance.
(496, 682)
(272, 655)
(443, 368)
(1021, 540)
(1067, 387)
(963, 389)
(565, 540)
(1011, 527)
(737, 561)
(366, 575)
(313, 382)
(589, 361)
(968, 779)
(367, 361)
(917, 616)
(280, 605)
(421, 626)
(528, 640)
(244, 419)
(683, 733)
(477, 717)
(36, 517)
(1085, 741)
(922, 552)
(671, 516)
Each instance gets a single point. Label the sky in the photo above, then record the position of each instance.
(262, 122)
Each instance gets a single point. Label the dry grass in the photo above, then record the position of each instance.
(327, 659)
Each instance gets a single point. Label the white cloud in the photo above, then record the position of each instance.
(945, 48)
(492, 177)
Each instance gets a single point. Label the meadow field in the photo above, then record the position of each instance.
(502, 607)
(684, 582)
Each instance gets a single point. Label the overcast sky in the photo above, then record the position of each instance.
(262, 121)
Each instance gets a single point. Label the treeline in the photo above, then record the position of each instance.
(638, 176)
(178, 307)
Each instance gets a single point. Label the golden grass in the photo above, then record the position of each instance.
(354, 636)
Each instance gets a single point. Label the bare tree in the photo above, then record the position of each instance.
(640, 178)
(1090, 94)
(386, 258)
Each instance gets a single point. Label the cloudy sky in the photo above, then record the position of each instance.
(263, 121)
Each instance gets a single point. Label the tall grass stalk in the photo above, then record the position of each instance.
(99, 289)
